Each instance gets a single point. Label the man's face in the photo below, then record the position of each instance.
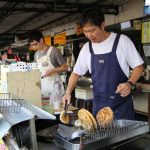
(36, 45)
(93, 33)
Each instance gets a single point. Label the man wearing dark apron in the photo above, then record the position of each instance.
(106, 76)
(108, 57)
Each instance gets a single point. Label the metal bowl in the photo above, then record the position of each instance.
(84, 82)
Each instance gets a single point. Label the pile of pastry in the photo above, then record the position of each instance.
(87, 121)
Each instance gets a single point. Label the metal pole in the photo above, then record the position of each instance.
(33, 134)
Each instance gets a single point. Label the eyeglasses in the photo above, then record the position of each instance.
(34, 44)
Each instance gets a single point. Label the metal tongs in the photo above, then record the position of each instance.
(66, 109)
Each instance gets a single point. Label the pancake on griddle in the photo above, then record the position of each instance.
(105, 116)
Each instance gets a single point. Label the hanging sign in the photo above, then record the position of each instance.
(47, 40)
(146, 32)
(60, 38)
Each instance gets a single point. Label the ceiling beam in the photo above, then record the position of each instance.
(75, 9)
(54, 21)
(5, 14)
(58, 2)
(5, 39)
(30, 1)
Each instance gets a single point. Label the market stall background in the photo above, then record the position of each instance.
(18, 17)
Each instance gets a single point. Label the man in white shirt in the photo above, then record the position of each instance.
(108, 57)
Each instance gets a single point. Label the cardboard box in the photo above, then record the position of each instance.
(26, 85)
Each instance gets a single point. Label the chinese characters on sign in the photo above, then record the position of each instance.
(60, 39)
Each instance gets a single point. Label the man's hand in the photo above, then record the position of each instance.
(124, 89)
(48, 72)
(65, 98)
(71, 84)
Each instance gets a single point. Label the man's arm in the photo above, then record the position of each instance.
(136, 73)
(125, 88)
(71, 84)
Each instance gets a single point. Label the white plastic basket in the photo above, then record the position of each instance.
(22, 66)
(19, 66)
(33, 66)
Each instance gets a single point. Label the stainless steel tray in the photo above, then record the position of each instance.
(119, 131)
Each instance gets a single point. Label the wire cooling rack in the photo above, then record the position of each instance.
(10, 103)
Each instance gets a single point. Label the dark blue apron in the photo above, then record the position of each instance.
(106, 76)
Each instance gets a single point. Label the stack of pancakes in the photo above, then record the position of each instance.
(103, 118)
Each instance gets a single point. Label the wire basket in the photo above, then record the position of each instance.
(10, 103)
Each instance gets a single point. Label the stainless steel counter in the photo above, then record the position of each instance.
(140, 143)
(48, 146)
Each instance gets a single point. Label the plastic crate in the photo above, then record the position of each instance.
(22, 66)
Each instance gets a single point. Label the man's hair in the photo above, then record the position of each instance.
(35, 35)
(92, 16)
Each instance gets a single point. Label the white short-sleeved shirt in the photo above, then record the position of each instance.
(126, 52)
